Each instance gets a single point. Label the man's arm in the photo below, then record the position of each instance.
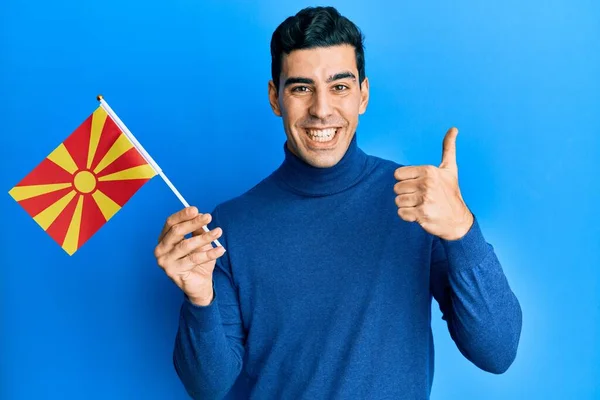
(209, 345)
(483, 315)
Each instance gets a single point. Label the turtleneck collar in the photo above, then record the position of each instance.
(305, 179)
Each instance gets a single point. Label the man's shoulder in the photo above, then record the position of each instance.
(384, 162)
(249, 200)
(383, 166)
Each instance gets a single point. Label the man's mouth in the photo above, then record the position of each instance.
(321, 135)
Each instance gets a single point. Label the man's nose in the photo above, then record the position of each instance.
(321, 105)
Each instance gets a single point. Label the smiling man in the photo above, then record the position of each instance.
(333, 260)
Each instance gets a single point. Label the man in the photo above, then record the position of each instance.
(332, 261)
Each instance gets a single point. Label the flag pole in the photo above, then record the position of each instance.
(145, 154)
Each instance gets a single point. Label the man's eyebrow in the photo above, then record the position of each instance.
(341, 75)
(307, 81)
(296, 79)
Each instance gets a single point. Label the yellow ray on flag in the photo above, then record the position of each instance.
(49, 215)
(106, 205)
(140, 172)
(98, 120)
(26, 192)
(61, 157)
(71, 242)
(118, 148)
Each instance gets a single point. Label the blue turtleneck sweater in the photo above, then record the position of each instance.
(325, 293)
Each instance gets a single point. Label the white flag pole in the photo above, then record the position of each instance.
(145, 154)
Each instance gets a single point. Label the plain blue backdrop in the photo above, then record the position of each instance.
(521, 81)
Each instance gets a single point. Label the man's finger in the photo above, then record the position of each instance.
(412, 172)
(177, 232)
(180, 216)
(408, 200)
(408, 214)
(200, 231)
(196, 258)
(195, 243)
(404, 173)
(449, 150)
(406, 187)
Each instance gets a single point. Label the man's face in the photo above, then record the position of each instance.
(319, 100)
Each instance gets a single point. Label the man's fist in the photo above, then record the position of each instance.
(430, 195)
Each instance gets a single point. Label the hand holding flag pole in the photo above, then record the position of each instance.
(145, 154)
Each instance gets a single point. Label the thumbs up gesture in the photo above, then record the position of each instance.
(431, 197)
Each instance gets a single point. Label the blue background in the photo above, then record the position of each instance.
(521, 81)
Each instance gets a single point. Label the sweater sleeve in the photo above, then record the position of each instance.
(209, 345)
(482, 313)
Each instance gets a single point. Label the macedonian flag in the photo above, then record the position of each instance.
(84, 181)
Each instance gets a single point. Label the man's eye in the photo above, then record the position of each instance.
(340, 88)
(300, 89)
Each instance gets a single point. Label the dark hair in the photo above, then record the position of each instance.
(315, 27)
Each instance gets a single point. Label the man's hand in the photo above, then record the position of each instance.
(430, 195)
(189, 262)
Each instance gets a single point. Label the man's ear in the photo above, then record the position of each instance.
(274, 99)
(364, 96)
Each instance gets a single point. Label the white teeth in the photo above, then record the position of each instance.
(321, 135)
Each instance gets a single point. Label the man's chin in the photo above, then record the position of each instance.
(320, 155)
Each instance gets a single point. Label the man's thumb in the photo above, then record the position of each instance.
(449, 150)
